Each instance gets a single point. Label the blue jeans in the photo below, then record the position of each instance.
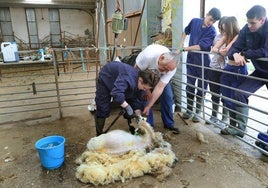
(166, 108)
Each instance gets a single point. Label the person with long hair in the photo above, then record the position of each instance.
(229, 30)
(252, 43)
(228, 79)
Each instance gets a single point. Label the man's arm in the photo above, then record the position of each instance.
(158, 90)
(183, 37)
(218, 45)
(192, 48)
(225, 50)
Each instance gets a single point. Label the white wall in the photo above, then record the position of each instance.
(237, 8)
(42, 20)
(71, 20)
(75, 21)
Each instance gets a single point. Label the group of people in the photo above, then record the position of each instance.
(226, 73)
(137, 88)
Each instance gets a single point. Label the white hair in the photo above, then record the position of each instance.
(171, 57)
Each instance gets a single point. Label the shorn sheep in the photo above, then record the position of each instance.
(119, 155)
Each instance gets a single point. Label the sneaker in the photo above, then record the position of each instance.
(212, 120)
(173, 129)
(187, 115)
(232, 131)
(196, 119)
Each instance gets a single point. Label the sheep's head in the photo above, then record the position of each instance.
(144, 128)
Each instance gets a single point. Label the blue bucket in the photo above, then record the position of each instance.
(51, 151)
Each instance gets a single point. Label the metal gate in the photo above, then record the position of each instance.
(46, 89)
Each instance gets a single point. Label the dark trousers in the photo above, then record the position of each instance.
(195, 74)
(232, 81)
(214, 77)
(249, 85)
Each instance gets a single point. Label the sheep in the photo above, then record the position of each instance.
(119, 159)
(120, 142)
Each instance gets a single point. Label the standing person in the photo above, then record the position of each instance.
(160, 58)
(122, 84)
(229, 30)
(233, 75)
(217, 63)
(202, 33)
(252, 43)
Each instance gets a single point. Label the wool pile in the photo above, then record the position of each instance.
(119, 156)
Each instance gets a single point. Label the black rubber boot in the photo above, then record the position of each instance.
(130, 127)
(99, 123)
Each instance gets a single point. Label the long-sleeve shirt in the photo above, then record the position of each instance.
(202, 36)
(121, 81)
(254, 45)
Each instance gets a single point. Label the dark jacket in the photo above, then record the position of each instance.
(253, 45)
(120, 81)
(199, 36)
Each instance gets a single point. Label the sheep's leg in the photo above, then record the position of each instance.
(130, 126)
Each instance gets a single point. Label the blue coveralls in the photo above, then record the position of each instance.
(232, 81)
(118, 82)
(204, 38)
(254, 45)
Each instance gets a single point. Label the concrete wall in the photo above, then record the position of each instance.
(76, 21)
(71, 20)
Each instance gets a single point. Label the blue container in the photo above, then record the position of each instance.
(51, 151)
(41, 54)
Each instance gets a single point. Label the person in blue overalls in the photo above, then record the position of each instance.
(202, 33)
(252, 43)
(122, 84)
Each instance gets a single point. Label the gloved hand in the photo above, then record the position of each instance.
(129, 112)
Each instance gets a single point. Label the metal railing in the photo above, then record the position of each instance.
(45, 89)
(258, 111)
